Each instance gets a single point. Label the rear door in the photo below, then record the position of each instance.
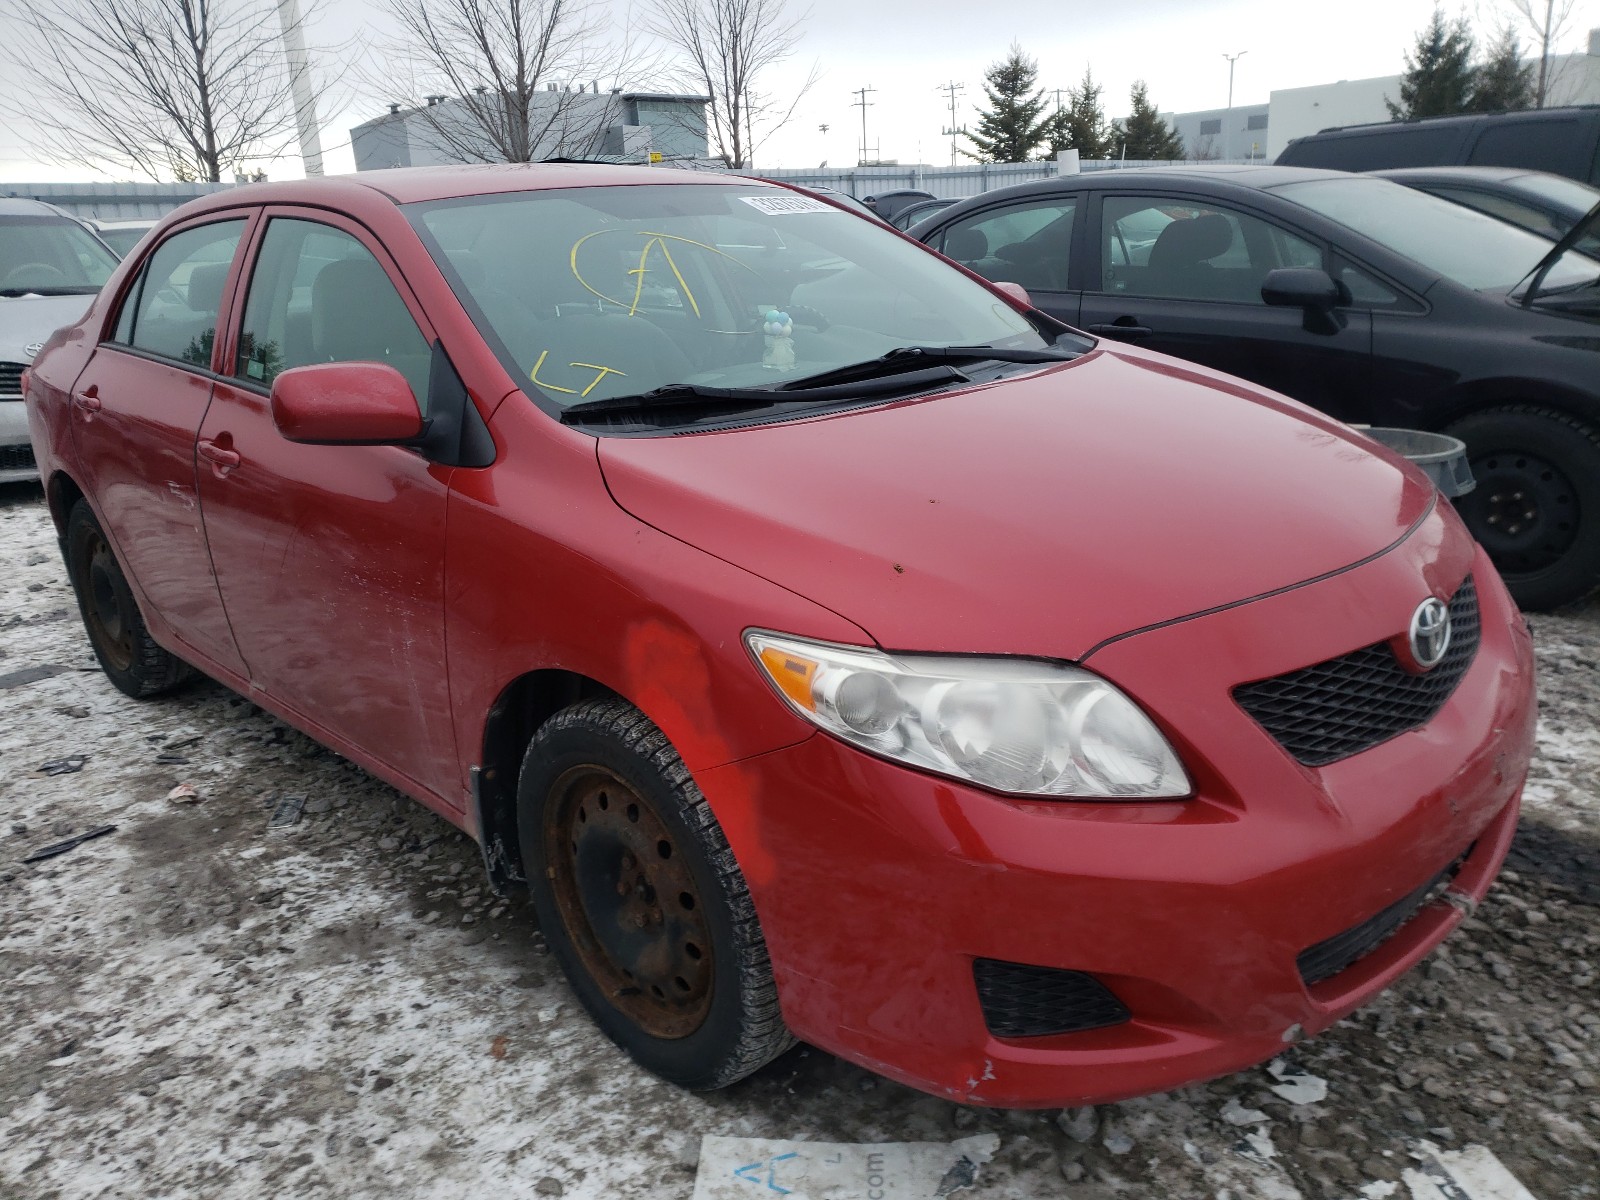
(1030, 242)
(136, 409)
(1182, 275)
(330, 559)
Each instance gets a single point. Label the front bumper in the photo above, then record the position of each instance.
(16, 450)
(878, 887)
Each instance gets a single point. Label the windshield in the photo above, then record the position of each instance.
(50, 256)
(1463, 245)
(600, 292)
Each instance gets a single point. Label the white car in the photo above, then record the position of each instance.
(50, 266)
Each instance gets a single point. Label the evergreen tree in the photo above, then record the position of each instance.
(1144, 134)
(1014, 125)
(1082, 125)
(1439, 77)
(1504, 83)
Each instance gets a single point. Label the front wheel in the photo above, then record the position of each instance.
(130, 657)
(1536, 507)
(640, 899)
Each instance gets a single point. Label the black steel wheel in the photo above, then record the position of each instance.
(129, 656)
(641, 901)
(1536, 506)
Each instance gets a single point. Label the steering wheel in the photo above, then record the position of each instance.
(804, 314)
(28, 274)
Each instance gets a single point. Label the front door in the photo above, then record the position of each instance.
(331, 558)
(136, 409)
(1184, 277)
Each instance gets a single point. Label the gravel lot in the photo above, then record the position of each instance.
(197, 1006)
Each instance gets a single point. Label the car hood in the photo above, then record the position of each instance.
(28, 321)
(1038, 515)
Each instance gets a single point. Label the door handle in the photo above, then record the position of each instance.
(222, 459)
(88, 399)
(1118, 329)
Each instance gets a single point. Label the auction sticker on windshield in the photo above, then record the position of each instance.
(778, 206)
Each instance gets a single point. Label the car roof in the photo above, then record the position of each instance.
(1448, 174)
(1241, 177)
(18, 206)
(409, 185)
(1535, 114)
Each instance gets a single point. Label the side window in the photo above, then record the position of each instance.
(172, 309)
(1174, 249)
(1368, 291)
(1543, 144)
(318, 295)
(1026, 243)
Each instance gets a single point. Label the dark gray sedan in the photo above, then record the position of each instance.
(1374, 302)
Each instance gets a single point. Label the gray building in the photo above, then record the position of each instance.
(625, 126)
(1238, 133)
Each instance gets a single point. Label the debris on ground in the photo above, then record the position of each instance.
(729, 1166)
(64, 766)
(54, 849)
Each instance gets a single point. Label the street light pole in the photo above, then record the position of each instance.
(1227, 121)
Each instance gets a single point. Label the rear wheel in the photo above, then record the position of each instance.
(130, 657)
(1536, 506)
(640, 899)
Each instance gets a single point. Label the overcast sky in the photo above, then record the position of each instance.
(1176, 46)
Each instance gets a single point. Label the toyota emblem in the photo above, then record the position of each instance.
(1430, 633)
(32, 348)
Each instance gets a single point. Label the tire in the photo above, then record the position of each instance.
(1536, 507)
(641, 901)
(129, 656)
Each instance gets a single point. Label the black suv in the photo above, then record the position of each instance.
(1563, 141)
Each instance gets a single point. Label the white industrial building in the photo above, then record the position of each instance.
(1260, 131)
(566, 123)
(1296, 112)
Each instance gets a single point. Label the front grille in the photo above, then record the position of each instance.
(1023, 1001)
(1327, 958)
(1341, 707)
(10, 379)
(17, 458)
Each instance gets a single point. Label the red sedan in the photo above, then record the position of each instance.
(835, 647)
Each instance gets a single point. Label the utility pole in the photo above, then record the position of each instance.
(863, 104)
(1227, 121)
(955, 130)
(305, 100)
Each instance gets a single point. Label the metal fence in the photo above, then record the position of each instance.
(968, 179)
(112, 201)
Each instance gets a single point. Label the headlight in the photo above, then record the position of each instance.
(1013, 725)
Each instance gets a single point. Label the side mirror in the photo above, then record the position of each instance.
(345, 404)
(1303, 287)
(1016, 291)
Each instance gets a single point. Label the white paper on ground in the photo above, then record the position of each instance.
(1470, 1174)
(733, 1168)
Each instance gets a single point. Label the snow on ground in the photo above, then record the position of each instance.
(199, 1007)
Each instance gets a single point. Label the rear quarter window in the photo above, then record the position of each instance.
(1542, 144)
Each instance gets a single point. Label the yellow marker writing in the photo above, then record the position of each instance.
(593, 383)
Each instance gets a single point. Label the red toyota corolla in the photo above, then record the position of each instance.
(836, 648)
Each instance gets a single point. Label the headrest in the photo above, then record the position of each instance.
(966, 245)
(1192, 240)
(204, 294)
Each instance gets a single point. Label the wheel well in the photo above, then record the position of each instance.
(61, 494)
(526, 704)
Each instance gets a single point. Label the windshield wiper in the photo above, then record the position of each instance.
(76, 289)
(1536, 277)
(909, 358)
(680, 395)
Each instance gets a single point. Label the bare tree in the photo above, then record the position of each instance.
(725, 48)
(508, 80)
(1547, 22)
(171, 89)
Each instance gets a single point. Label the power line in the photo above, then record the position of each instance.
(955, 130)
(863, 104)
